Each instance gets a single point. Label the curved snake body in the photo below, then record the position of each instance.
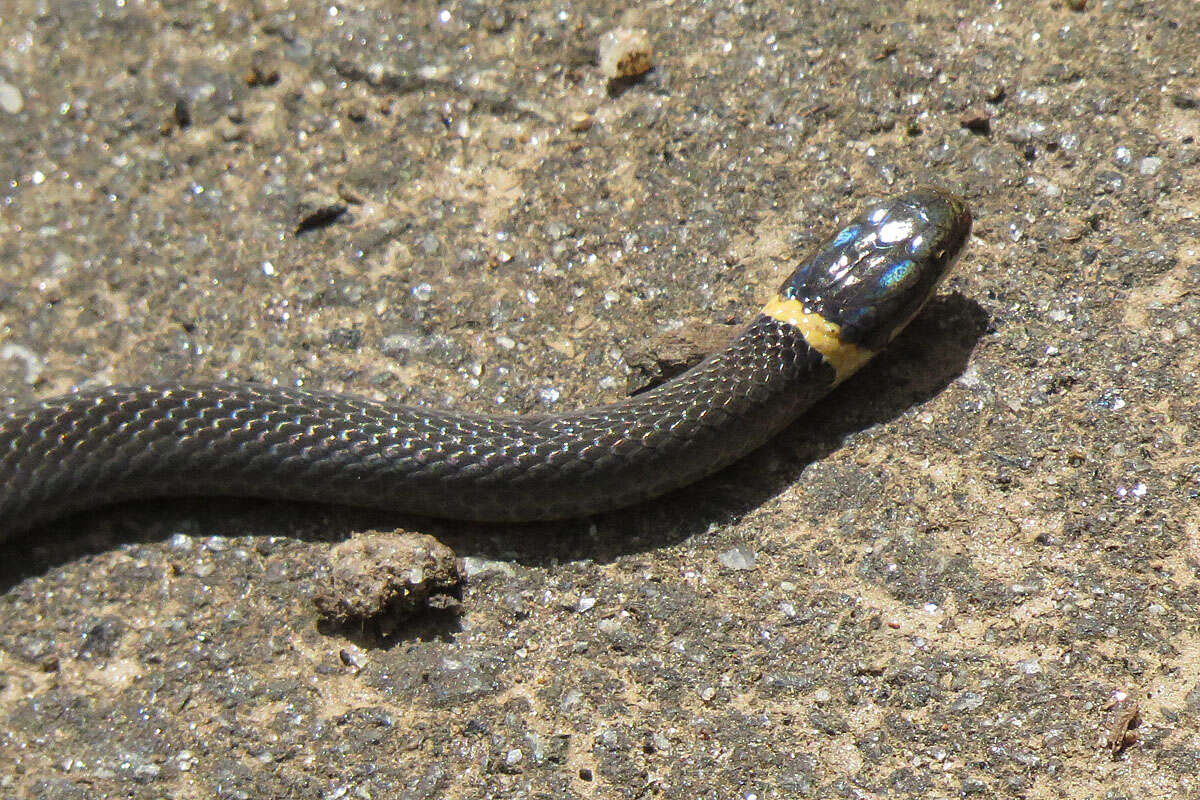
(839, 307)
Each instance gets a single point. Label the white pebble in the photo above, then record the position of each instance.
(625, 52)
(33, 362)
(739, 558)
(10, 98)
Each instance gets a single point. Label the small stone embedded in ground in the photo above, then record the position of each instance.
(392, 574)
(580, 121)
(264, 69)
(1185, 100)
(738, 558)
(317, 209)
(625, 53)
(477, 568)
(353, 657)
(10, 98)
(34, 363)
(976, 119)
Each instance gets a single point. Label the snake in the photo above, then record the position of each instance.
(841, 305)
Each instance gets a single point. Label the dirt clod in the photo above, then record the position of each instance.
(392, 574)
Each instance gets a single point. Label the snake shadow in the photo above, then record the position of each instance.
(933, 350)
(926, 358)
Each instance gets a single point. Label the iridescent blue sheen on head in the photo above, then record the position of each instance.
(846, 235)
(874, 275)
(897, 274)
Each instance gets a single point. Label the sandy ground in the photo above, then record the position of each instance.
(948, 575)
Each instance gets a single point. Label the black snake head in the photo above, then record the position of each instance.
(875, 274)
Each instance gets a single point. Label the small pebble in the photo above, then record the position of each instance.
(10, 98)
(374, 574)
(405, 344)
(353, 657)
(625, 52)
(316, 210)
(739, 558)
(977, 120)
(571, 700)
(264, 69)
(180, 541)
(1185, 100)
(33, 362)
(476, 568)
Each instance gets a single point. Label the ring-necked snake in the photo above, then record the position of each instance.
(839, 308)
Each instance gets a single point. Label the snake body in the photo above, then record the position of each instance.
(840, 306)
